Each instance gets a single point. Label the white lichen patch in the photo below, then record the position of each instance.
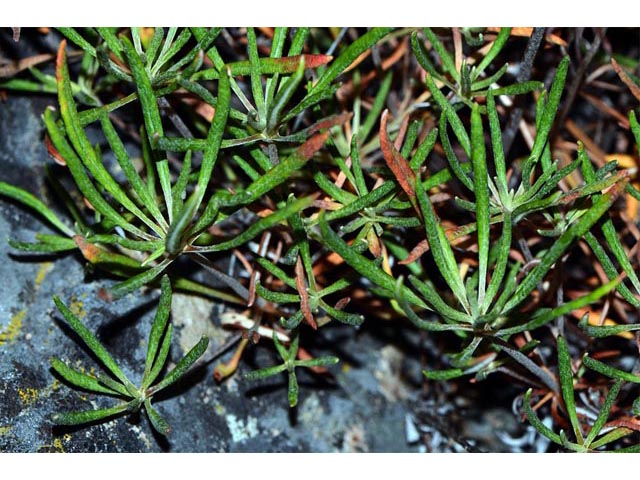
(311, 410)
(142, 436)
(388, 374)
(192, 316)
(240, 429)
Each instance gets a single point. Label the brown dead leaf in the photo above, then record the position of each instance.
(635, 89)
(398, 165)
(11, 68)
(527, 31)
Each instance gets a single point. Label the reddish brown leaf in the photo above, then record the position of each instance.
(633, 88)
(304, 295)
(397, 163)
(290, 64)
(311, 146)
(416, 252)
(343, 302)
(53, 152)
(329, 122)
(61, 59)
(90, 252)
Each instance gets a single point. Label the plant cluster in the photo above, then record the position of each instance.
(258, 145)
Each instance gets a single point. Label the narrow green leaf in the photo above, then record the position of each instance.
(566, 385)
(604, 413)
(609, 268)
(276, 271)
(183, 365)
(139, 280)
(61, 245)
(73, 35)
(214, 137)
(608, 229)
(498, 149)
(92, 342)
(347, 56)
(481, 181)
(160, 359)
(157, 421)
(544, 316)
(614, 435)
(255, 75)
(430, 294)
(537, 423)
(276, 297)
(265, 372)
(376, 108)
(281, 172)
(317, 362)
(577, 230)
(608, 371)
(81, 143)
(352, 319)
(164, 176)
(116, 386)
(420, 52)
(150, 110)
(31, 201)
(88, 416)
(445, 56)
(495, 49)
(178, 191)
(477, 86)
(283, 96)
(440, 248)
(550, 109)
(159, 325)
(80, 379)
(292, 390)
(452, 116)
(129, 170)
(112, 41)
(423, 150)
(170, 48)
(443, 375)
(504, 246)
(260, 226)
(607, 330)
(115, 239)
(362, 265)
(517, 88)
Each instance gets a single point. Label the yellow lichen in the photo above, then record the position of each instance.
(10, 333)
(42, 273)
(5, 430)
(28, 395)
(57, 446)
(77, 306)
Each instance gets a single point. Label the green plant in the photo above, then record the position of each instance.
(465, 80)
(289, 365)
(338, 173)
(596, 437)
(116, 383)
(485, 305)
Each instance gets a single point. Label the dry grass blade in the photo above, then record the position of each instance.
(633, 88)
(304, 295)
